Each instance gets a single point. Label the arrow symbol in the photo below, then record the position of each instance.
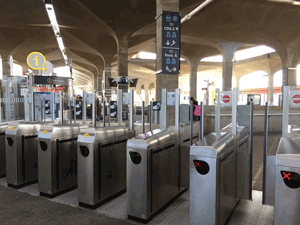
(174, 69)
(173, 43)
(168, 42)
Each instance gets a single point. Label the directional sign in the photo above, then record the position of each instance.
(295, 99)
(156, 106)
(171, 42)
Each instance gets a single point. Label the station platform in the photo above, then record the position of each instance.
(25, 206)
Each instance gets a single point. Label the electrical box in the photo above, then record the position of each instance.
(170, 98)
(126, 98)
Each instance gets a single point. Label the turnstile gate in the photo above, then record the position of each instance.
(101, 164)
(152, 173)
(57, 158)
(220, 170)
(22, 153)
(3, 127)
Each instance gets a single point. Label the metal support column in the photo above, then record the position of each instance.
(84, 107)
(285, 116)
(201, 120)
(104, 109)
(70, 110)
(53, 105)
(131, 114)
(234, 111)
(163, 112)
(265, 150)
(94, 109)
(150, 115)
(217, 110)
(191, 120)
(120, 105)
(61, 108)
(109, 113)
(143, 117)
(177, 110)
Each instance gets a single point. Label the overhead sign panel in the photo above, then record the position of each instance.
(51, 80)
(171, 42)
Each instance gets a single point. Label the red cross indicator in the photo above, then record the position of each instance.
(197, 164)
(226, 98)
(286, 175)
(296, 99)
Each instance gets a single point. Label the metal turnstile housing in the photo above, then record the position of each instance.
(101, 164)
(3, 127)
(287, 181)
(57, 158)
(152, 173)
(22, 153)
(212, 179)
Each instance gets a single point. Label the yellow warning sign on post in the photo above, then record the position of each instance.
(45, 131)
(36, 61)
(86, 135)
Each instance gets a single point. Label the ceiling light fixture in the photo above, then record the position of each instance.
(296, 3)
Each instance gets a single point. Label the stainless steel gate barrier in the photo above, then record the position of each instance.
(57, 158)
(22, 153)
(101, 164)
(3, 127)
(152, 173)
(221, 174)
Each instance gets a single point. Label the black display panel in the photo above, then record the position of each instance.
(291, 179)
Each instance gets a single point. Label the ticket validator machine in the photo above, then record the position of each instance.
(220, 168)
(154, 172)
(57, 152)
(102, 158)
(281, 182)
(22, 150)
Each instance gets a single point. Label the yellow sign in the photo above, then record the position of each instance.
(45, 131)
(36, 61)
(11, 128)
(86, 135)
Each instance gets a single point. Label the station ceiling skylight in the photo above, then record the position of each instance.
(243, 54)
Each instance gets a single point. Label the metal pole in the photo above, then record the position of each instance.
(191, 120)
(104, 113)
(234, 111)
(150, 115)
(74, 110)
(42, 112)
(70, 111)
(265, 151)
(251, 143)
(201, 120)
(163, 112)
(177, 110)
(143, 116)
(217, 110)
(131, 113)
(94, 109)
(285, 116)
(32, 107)
(61, 107)
(109, 114)
(84, 107)
(53, 105)
(120, 104)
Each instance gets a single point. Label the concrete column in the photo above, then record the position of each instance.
(193, 64)
(107, 74)
(289, 76)
(164, 81)
(228, 53)
(271, 88)
(123, 59)
(6, 67)
(238, 87)
(147, 92)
